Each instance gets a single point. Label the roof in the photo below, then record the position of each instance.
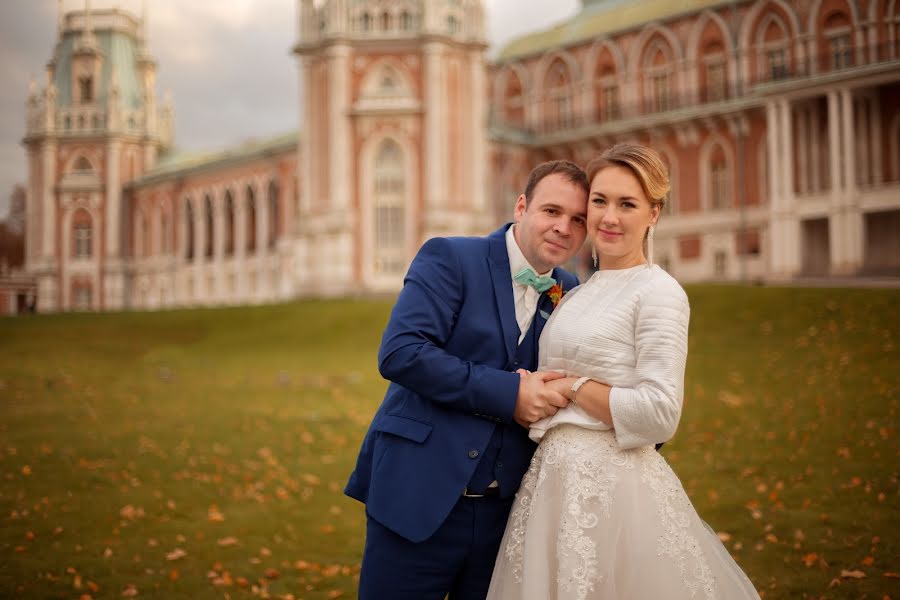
(598, 18)
(178, 164)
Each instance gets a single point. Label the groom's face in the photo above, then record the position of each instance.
(551, 227)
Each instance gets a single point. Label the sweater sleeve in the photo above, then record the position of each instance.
(648, 412)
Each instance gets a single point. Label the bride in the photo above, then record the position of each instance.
(600, 514)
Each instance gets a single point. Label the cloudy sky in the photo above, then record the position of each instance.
(226, 62)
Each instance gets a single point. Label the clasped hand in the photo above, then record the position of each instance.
(537, 399)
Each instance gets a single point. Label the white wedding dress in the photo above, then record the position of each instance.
(599, 514)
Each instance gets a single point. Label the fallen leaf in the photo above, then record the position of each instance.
(130, 591)
(176, 554)
(228, 541)
(855, 574)
(810, 559)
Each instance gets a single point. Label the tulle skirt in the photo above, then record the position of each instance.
(591, 521)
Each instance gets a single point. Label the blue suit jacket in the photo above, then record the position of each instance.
(449, 351)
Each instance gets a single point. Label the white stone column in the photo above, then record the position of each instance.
(803, 149)
(48, 200)
(478, 124)
(339, 121)
(834, 160)
(113, 200)
(33, 211)
(875, 137)
(435, 136)
(789, 222)
(815, 149)
(853, 220)
(775, 188)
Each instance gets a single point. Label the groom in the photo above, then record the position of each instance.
(448, 447)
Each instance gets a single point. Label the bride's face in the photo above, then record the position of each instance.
(618, 216)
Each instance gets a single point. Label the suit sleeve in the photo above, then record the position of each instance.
(413, 354)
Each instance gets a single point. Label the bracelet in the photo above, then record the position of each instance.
(576, 386)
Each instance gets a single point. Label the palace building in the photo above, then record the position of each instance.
(779, 121)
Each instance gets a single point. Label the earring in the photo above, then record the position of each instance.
(594, 256)
(650, 245)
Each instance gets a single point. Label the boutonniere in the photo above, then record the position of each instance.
(555, 293)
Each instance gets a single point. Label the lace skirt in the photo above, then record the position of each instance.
(591, 521)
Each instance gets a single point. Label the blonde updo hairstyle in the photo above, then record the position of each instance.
(643, 162)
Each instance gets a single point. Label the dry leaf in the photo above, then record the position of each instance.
(130, 591)
(228, 541)
(176, 554)
(855, 574)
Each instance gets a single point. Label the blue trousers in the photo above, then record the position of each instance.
(457, 560)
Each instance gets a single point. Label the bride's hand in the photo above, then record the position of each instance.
(562, 386)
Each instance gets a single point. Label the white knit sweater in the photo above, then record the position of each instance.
(627, 328)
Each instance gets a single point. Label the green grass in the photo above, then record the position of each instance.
(202, 454)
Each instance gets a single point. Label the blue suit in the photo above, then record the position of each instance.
(450, 351)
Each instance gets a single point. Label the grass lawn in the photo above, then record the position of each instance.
(202, 454)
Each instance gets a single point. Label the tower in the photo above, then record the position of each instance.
(92, 128)
(393, 141)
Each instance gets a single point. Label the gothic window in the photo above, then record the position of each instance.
(366, 22)
(606, 88)
(716, 84)
(452, 25)
(386, 21)
(390, 188)
(777, 63)
(838, 31)
(610, 107)
(274, 204)
(513, 101)
(82, 234)
(719, 180)
(146, 247)
(405, 21)
(558, 112)
(772, 44)
(251, 221)
(210, 231)
(229, 224)
(658, 78)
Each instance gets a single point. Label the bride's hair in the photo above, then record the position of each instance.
(644, 162)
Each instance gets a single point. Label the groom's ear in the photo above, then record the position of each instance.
(520, 208)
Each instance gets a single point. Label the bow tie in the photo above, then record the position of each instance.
(528, 277)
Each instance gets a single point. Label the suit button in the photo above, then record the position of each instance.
(516, 363)
(473, 453)
(499, 465)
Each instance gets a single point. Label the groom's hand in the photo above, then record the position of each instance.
(536, 400)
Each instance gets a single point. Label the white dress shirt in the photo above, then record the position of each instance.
(525, 297)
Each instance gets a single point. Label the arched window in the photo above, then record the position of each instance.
(715, 82)
(772, 43)
(274, 206)
(146, 246)
(513, 100)
(86, 89)
(82, 234)
(208, 221)
(165, 228)
(658, 78)
(606, 87)
(229, 224)
(83, 165)
(188, 230)
(386, 21)
(452, 25)
(838, 31)
(251, 221)
(405, 21)
(719, 180)
(558, 108)
(390, 191)
(366, 22)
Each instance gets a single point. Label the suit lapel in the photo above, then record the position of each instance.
(498, 261)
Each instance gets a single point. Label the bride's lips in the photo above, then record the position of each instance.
(609, 235)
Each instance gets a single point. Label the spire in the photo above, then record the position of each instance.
(87, 38)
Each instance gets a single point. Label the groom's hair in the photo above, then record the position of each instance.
(569, 170)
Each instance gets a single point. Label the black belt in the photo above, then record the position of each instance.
(488, 493)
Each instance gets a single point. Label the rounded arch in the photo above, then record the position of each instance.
(189, 227)
(230, 222)
(251, 216)
(711, 183)
(82, 162)
(752, 16)
(387, 77)
(510, 94)
(273, 209)
(638, 47)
